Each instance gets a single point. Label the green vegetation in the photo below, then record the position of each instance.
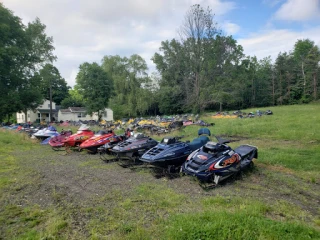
(201, 71)
(277, 200)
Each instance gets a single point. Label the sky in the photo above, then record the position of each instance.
(85, 31)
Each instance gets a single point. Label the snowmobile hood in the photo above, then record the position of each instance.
(46, 132)
(138, 141)
(97, 140)
(80, 136)
(211, 155)
(170, 149)
(163, 152)
(57, 140)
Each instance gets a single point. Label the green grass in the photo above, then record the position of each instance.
(238, 225)
(275, 201)
(296, 123)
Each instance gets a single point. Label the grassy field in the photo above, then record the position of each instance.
(52, 195)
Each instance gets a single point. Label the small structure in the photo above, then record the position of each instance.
(41, 113)
(79, 113)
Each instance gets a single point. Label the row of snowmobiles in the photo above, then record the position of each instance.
(209, 161)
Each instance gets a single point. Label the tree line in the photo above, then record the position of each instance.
(26, 70)
(202, 70)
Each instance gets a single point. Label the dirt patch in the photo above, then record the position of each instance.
(80, 180)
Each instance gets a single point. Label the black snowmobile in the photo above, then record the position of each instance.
(217, 161)
(171, 152)
(133, 147)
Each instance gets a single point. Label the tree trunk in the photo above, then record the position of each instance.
(25, 115)
(253, 94)
(273, 94)
(288, 87)
(304, 79)
(197, 90)
(50, 119)
(281, 97)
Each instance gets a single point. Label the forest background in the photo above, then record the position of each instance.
(203, 70)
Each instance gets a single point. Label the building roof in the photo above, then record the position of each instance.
(65, 110)
(73, 110)
(77, 109)
(46, 110)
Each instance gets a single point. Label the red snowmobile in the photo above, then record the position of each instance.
(56, 141)
(99, 139)
(83, 134)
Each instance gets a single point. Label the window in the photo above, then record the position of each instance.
(80, 115)
(38, 115)
(28, 115)
(49, 105)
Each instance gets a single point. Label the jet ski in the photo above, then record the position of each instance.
(79, 137)
(46, 133)
(170, 153)
(216, 161)
(134, 146)
(99, 139)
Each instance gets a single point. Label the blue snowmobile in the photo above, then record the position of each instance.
(170, 153)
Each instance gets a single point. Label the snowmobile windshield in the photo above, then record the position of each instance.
(83, 127)
(211, 147)
(101, 132)
(52, 128)
(138, 135)
(169, 140)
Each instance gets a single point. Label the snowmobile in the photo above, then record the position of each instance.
(99, 139)
(133, 147)
(216, 161)
(111, 142)
(79, 137)
(268, 112)
(46, 133)
(56, 141)
(171, 152)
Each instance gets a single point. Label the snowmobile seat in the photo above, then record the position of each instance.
(204, 131)
(195, 144)
(245, 150)
(204, 139)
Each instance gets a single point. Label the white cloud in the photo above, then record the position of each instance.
(272, 42)
(299, 10)
(88, 30)
(230, 28)
(71, 79)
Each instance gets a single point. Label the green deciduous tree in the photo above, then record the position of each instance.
(95, 85)
(50, 77)
(131, 92)
(201, 67)
(73, 100)
(23, 50)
